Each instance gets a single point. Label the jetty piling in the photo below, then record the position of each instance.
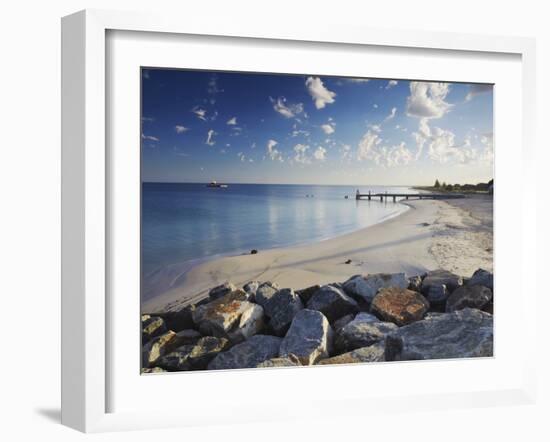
(384, 196)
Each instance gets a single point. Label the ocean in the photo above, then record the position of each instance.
(183, 224)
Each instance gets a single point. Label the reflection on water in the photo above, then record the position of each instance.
(183, 222)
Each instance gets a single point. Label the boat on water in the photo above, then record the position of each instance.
(216, 184)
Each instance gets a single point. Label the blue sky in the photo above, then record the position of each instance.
(199, 126)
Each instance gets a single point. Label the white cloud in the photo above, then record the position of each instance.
(300, 154)
(375, 106)
(478, 89)
(320, 153)
(213, 89)
(427, 100)
(287, 110)
(320, 94)
(149, 137)
(391, 115)
(210, 137)
(366, 150)
(398, 155)
(391, 84)
(200, 113)
(375, 127)
(232, 121)
(297, 132)
(273, 152)
(328, 128)
(180, 129)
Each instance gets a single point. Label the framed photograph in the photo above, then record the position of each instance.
(249, 208)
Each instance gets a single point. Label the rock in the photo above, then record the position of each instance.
(400, 306)
(307, 293)
(415, 283)
(332, 302)
(309, 337)
(366, 317)
(157, 348)
(281, 308)
(152, 370)
(344, 320)
(465, 333)
(250, 288)
(265, 291)
(248, 354)
(438, 285)
(230, 316)
(221, 290)
(179, 320)
(474, 296)
(253, 251)
(251, 322)
(366, 287)
(152, 327)
(374, 353)
(362, 332)
(290, 361)
(193, 357)
(348, 261)
(482, 277)
(186, 337)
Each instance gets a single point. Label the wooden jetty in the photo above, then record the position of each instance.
(406, 196)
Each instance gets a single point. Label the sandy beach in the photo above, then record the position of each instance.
(451, 234)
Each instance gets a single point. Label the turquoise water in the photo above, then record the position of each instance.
(189, 223)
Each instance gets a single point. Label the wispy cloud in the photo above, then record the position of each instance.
(478, 89)
(232, 121)
(273, 152)
(149, 137)
(287, 110)
(391, 115)
(320, 153)
(180, 129)
(199, 112)
(319, 93)
(210, 137)
(329, 128)
(391, 84)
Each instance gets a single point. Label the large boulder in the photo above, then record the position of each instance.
(309, 338)
(465, 333)
(332, 302)
(363, 331)
(307, 293)
(439, 284)
(186, 337)
(230, 316)
(157, 347)
(374, 353)
(415, 283)
(365, 287)
(482, 277)
(281, 308)
(342, 322)
(193, 357)
(152, 326)
(265, 292)
(400, 306)
(474, 296)
(250, 288)
(248, 354)
(178, 320)
(221, 290)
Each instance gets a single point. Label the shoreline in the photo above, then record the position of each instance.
(431, 234)
(172, 273)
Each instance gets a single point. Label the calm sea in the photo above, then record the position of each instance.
(184, 224)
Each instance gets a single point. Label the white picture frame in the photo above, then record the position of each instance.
(86, 203)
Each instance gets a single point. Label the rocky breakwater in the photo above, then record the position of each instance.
(368, 318)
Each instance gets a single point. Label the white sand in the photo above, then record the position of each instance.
(432, 234)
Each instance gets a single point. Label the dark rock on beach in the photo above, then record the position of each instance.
(306, 294)
(250, 288)
(363, 331)
(474, 296)
(265, 292)
(439, 284)
(193, 357)
(332, 302)
(415, 283)
(290, 361)
(221, 290)
(281, 308)
(179, 320)
(366, 287)
(157, 348)
(400, 306)
(248, 354)
(482, 277)
(309, 338)
(465, 333)
(342, 322)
